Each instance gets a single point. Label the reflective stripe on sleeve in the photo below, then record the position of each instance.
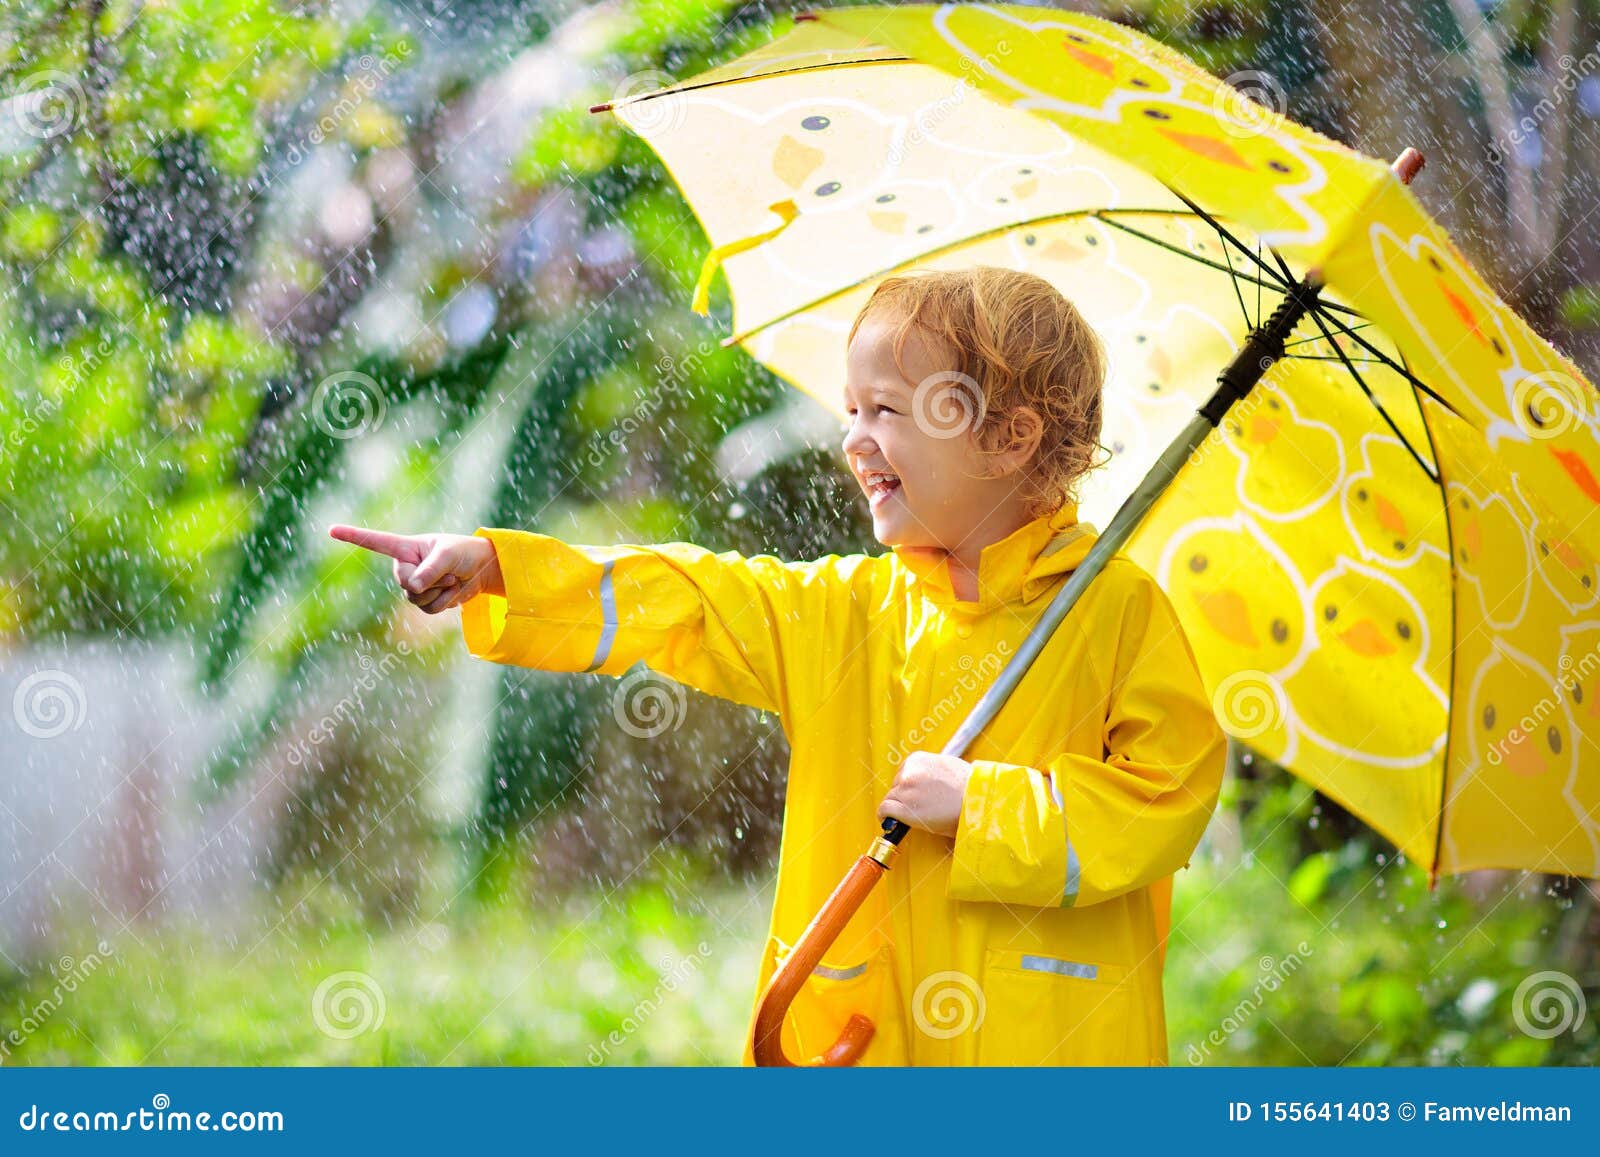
(608, 617)
(1069, 893)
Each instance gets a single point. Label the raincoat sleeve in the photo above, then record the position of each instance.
(1081, 830)
(723, 623)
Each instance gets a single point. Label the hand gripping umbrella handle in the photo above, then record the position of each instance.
(818, 937)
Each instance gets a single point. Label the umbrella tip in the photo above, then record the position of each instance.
(606, 107)
(1408, 164)
(803, 17)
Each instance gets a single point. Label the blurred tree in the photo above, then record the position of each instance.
(142, 138)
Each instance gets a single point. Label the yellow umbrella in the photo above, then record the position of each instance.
(1385, 554)
(1375, 521)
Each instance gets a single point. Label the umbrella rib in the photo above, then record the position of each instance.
(1309, 340)
(1326, 358)
(1284, 265)
(1100, 215)
(1227, 236)
(1237, 292)
(1256, 255)
(1365, 389)
(1398, 368)
(675, 90)
(1444, 756)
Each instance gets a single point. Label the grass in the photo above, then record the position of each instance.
(1276, 957)
(624, 980)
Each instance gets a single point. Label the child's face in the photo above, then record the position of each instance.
(918, 430)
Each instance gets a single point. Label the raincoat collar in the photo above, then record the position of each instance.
(1021, 566)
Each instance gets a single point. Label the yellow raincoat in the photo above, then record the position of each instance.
(1036, 936)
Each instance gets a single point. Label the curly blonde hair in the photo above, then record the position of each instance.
(1023, 344)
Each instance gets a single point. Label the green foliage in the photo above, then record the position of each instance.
(656, 975)
(134, 387)
(1344, 957)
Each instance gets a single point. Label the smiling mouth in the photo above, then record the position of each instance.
(879, 486)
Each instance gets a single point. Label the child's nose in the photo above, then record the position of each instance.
(856, 441)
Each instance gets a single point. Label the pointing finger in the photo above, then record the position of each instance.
(397, 546)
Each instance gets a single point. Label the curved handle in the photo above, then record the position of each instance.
(818, 937)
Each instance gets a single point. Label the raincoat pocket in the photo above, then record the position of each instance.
(837, 989)
(1052, 1010)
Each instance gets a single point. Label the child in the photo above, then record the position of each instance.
(1024, 923)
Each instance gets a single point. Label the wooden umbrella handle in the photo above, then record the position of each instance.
(1407, 165)
(818, 937)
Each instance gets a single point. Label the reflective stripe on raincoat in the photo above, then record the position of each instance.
(1036, 936)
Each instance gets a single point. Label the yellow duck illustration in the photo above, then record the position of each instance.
(1536, 412)
(1289, 464)
(1244, 609)
(1374, 643)
(1564, 565)
(1493, 555)
(1520, 772)
(1393, 520)
(1161, 100)
(1171, 361)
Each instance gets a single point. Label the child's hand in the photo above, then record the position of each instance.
(927, 792)
(436, 571)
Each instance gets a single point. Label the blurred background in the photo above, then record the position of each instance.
(267, 265)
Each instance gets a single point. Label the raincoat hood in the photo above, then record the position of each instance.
(1022, 566)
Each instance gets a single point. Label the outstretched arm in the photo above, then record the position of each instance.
(724, 623)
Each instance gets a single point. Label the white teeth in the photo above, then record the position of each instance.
(881, 484)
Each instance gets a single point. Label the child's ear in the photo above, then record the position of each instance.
(1024, 430)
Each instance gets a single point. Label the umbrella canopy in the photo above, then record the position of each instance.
(1385, 557)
